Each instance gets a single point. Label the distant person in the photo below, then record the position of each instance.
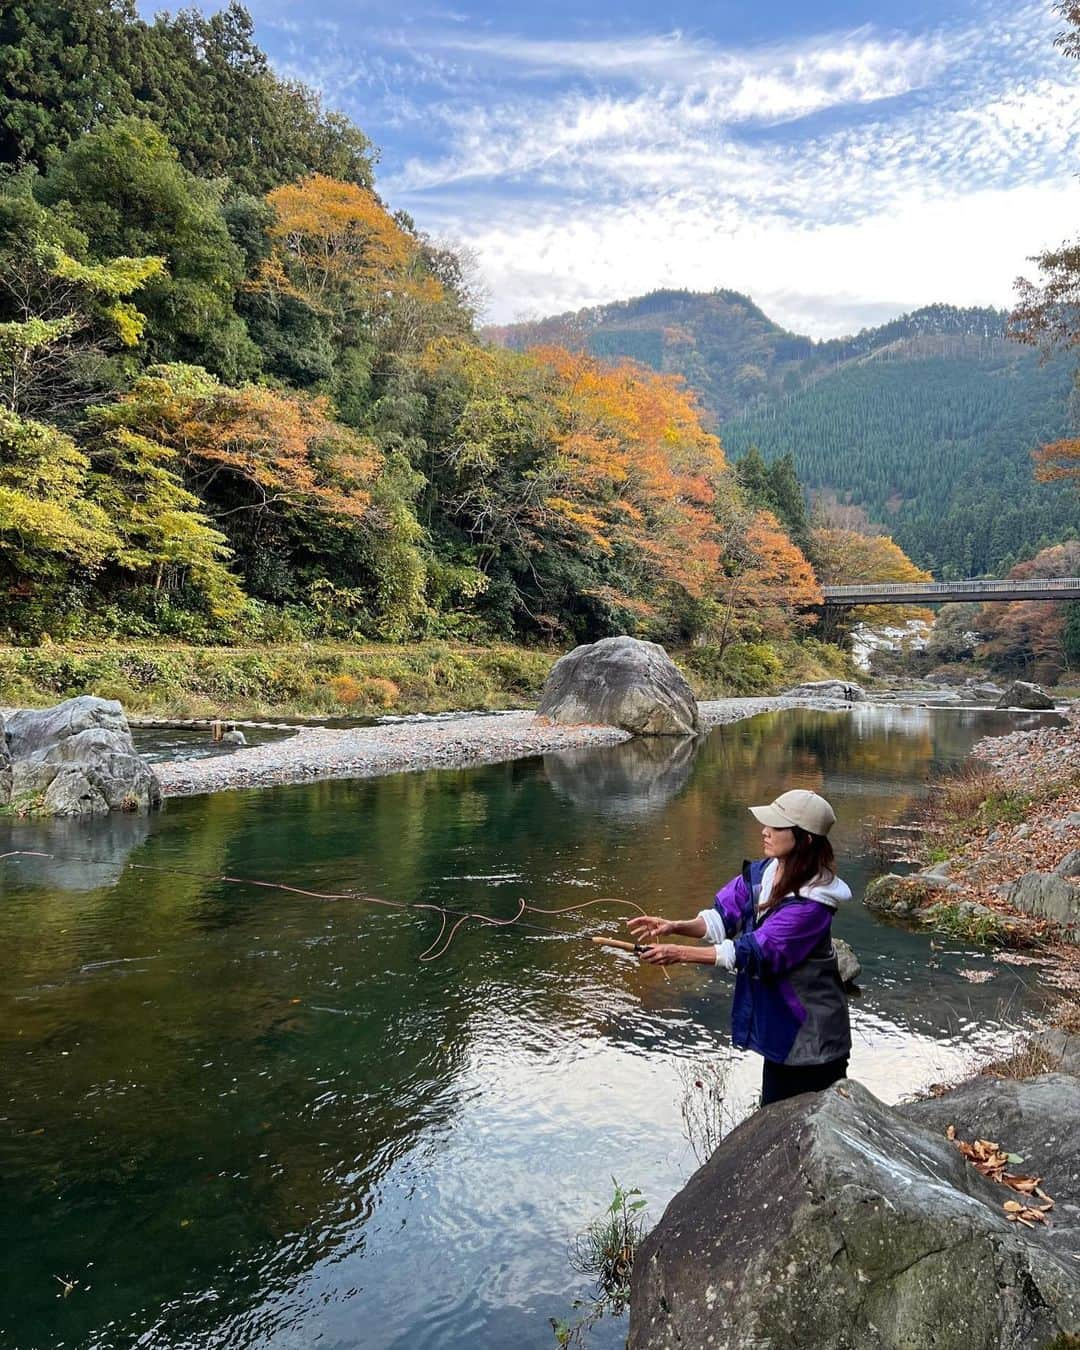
(772, 926)
(233, 735)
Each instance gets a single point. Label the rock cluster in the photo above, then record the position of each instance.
(75, 759)
(621, 682)
(832, 1220)
(844, 691)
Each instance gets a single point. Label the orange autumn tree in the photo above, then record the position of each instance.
(250, 449)
(587, 493)
(1058, 462)
(638, 476)
(768, 587)
(1029, 636)
(848, 556)
(337, 250)
(283, 481)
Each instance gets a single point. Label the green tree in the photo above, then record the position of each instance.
(50, 531)
(66, 68)
(124, 188)
(165, 537)
(789, 501)
(60, 316)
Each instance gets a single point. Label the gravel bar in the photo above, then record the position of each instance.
(366, 752)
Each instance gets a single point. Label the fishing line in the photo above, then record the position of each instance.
(432, 952)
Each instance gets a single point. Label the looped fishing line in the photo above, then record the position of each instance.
(434, 952)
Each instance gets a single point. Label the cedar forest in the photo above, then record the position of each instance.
(240, 395)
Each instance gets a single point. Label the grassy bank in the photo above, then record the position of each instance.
(309, 679)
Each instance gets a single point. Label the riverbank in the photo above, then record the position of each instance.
(321, 679)
(995, 841)
(365, 752)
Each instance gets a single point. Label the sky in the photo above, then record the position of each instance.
(840, 162)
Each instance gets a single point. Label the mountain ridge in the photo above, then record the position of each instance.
(926, 422)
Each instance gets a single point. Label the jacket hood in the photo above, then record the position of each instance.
(832, 892)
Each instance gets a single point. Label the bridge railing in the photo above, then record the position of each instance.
(925, 589)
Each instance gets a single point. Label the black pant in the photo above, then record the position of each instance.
(780, 1081)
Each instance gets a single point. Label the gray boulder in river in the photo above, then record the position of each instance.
(75, 759)
(834, 1222)
(621, 682)
(1023, 694)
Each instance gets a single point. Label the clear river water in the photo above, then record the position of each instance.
(231, 1117)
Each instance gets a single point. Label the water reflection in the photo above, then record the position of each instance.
(635, 779)
(265, 1123)
(89, 857)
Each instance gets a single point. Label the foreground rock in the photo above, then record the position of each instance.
(831, 1220)
(1023, 694)
(621, 682)
(76, 759)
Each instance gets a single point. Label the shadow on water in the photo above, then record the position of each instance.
(240, 1118)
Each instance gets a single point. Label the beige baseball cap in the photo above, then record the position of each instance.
(797, 807)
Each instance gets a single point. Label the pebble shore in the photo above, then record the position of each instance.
(366, 752)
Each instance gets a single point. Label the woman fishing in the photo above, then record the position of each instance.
(772, 926)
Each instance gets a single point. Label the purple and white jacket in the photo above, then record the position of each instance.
(789, 1002)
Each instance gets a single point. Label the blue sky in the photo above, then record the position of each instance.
(841, 162)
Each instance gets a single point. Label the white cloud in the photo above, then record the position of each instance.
(822, 279)
(836, 179)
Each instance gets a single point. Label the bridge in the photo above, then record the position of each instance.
(942, 592)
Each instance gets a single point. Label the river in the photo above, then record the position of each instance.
(233, 1117)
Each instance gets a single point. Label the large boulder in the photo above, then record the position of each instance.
(1035, 1119)
(1023, 694)
(5, 767)
(77, 758)
(831, 1220)
(621, 682)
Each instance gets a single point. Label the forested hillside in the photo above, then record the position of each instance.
(927, 422)
(937, 449)
(240, 400)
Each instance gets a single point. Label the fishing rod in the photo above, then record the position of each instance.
(433, 952)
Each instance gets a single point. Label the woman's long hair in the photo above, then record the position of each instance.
(811, 857)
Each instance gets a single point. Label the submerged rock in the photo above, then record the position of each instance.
(1024, 694)
(849, 963)
(77, 758)
(621, 682)
(832, 1221)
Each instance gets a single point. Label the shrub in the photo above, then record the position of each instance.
(346, 689)
(383, 693)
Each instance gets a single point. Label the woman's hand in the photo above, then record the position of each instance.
(648, 927)
(664, 954)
